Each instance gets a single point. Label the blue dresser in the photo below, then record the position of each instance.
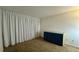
(55, 38)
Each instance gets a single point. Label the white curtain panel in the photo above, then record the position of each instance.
(26, 28)
(6, 28)
(12, 28)
(18, 28)
(1, 41)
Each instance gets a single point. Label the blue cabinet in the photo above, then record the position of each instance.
(55, 38)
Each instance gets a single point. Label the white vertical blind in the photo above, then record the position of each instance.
(18, 28)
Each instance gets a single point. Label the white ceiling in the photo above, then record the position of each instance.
(40, 11)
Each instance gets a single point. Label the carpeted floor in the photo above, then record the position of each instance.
(40, 45)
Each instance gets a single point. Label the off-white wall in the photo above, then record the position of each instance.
(67, 23)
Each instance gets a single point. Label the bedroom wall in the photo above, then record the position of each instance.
(67, 23)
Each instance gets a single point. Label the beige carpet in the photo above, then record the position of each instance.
(39, 45)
